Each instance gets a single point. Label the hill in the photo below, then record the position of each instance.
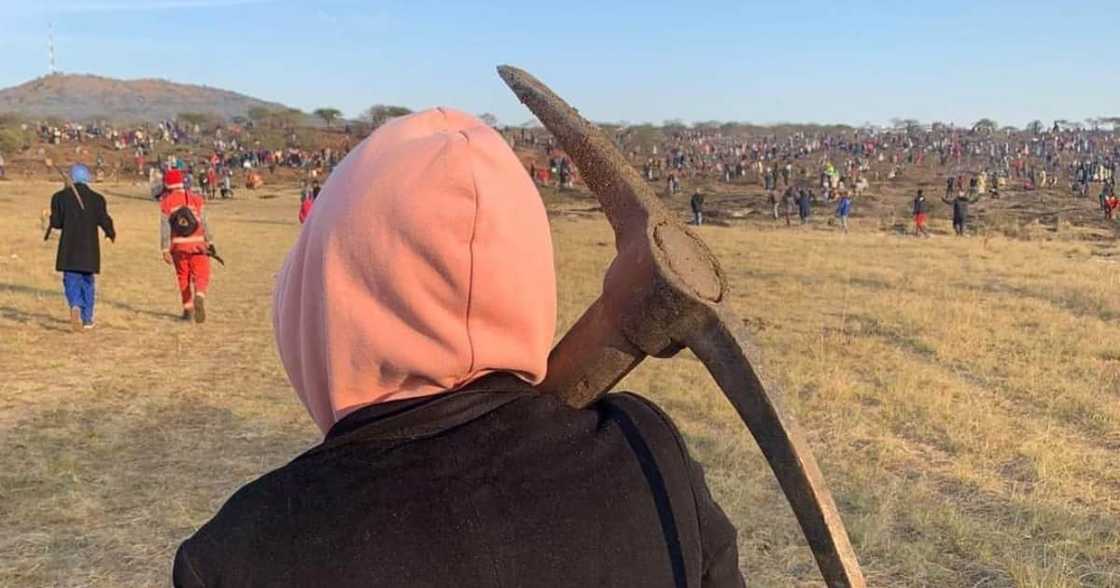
(81, 97)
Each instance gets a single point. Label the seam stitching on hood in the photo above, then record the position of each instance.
(470, 251)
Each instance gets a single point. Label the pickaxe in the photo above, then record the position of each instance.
(665, 291)
(212, 251)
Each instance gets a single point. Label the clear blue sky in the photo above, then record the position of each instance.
(805, 61)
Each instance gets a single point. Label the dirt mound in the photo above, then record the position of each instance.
(82, 97)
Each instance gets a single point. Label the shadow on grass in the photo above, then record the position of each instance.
(45, 321)
(42, 292)
(1074, 302)
(102, 493)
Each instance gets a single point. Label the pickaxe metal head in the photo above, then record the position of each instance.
(665, 291)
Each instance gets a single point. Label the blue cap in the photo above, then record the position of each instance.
(79, 174)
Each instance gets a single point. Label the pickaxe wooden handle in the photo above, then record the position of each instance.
(69, 184)
(665, 291)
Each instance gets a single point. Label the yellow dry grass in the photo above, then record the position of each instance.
(962, 396)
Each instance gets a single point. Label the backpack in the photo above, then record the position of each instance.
(183, 222)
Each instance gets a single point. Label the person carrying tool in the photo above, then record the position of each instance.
(185, 239)
(78, 212)
(416, 353)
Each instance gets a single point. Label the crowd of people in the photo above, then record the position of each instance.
(1077, 156)
(799, 168)
(211, 157)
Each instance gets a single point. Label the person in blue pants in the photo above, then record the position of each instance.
(843, 209)
(80, 291)
(78, 212)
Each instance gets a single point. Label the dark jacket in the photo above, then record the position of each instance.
(920, 205)
(804, 205)
(789, 199)
(79, 248)
(493, 485)
(960, 207)
(697, 202)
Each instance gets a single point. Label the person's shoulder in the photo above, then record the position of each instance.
(627, 401)
(244, 513)
(86, 189)
(640, 415)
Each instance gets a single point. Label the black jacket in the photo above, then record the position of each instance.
(79, 248)
(697, 202)
(493, 485)
(804, 204)
(960, 207)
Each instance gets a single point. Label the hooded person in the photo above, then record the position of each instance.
(78, 212)
(413, 317)
(185, 240)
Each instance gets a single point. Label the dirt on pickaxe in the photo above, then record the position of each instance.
(665, 291)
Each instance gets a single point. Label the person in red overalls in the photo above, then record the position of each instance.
(185, 239)
(307, 201)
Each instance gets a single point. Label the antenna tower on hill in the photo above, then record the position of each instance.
(50, 47)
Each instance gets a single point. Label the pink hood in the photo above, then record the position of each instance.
(427, 264)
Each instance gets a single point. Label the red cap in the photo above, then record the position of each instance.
(173, 178)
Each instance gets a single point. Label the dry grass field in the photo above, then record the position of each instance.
(962, 395)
